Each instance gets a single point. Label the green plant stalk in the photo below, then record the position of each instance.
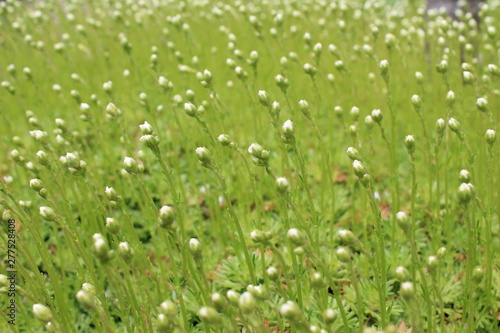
(129, 294)
(381, 275)
(236, 222)
(304, 176)
(437, 288)
(392, 149)
(359, 301)
(470, 266)
(295, 265)
(333, 286)
(489, 253)
(411, 237)
(394, 194)
(326, 171)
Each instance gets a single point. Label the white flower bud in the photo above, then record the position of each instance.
(416, 101)
(490, 136)
(247, 303)
(468, 77)
(112, 225)
(130, 165)
(454, 125)
(36, 184)
(402, 273)
(465, 193)
(288, 130)
(359, 169)
(209, 315)
(272, 273)
(48, 213)
(407, 290)
(282, 184)
(384, 67)
(346, 236)
(40, 136)
(85, 298)
(304, 108)
(410, 143)
(343, 254)
(353, 153)
(42, 313)
(264, 98)
(419, 77)
(125, 251)
(441, 252)
(166, 216)
(377, 115)
(195, 247)
(402, 219)
(465, 176)
(146, 128)
(151, 141)
(290, 311)
(440, 126)
(296, 236)
(233, 297)
(190, 109)
(204, 156)
(225, 140)
(329, 316)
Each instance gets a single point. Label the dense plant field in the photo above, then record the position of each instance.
(227, 166)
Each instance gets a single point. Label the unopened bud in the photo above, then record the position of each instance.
(282, 184)
(125, 251)
(290, 311)
(329, 316)
(233, 297)
(490, 136)
(346, 236)
(264, 98)
(377, 115)
(416, 101)
(343, 254)
(130, 165)
(441, 252)
(482, 104)
(353, 154)
(195, 247)
(272, 273)
(454, 125)
(209, 315)
(296, 236)
(42, 313)
(465, 193)
(410, 143)
(304, 108)
(359, 169)
(402, 273)
(247, 302)
(48, 213)
(166, 216)
(464, 176)
(407, 290)
(403, 220)
(112, 225)
(204, 156)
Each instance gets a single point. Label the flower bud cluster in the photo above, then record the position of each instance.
(260, 156)
(37, 185)
(101, 249)
(74, 164)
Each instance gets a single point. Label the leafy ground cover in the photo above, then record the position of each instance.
(227, 166)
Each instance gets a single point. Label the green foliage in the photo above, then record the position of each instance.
(162, 158)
